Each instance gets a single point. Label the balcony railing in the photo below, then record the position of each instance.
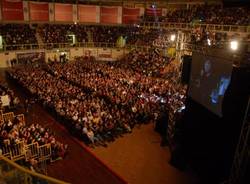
(14, 173)
(189, 26)
(17, 47)
(189, 47)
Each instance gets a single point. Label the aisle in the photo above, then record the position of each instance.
(139, 158)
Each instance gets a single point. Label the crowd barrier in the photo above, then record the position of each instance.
(13, 151)
(20, 150)
(103, 45)
(32, 150)
(44, 152)
(9, 116)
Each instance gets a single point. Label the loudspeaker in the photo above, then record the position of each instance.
(186, 68)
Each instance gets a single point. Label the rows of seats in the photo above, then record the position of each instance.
(106, 34)
(31, 143)
(16, 34)
(208, 14)
(149, 63)
(19, 139)
(132, 35)
(59, 33)
(99, 101)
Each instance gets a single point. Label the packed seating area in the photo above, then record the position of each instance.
(133, 35)
(24, 141)
(148, 63)
(59, 33)
(99, 101)
(207, 14)
(100, 34)
(16, 131)
(14, 34)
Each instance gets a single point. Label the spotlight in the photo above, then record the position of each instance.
(75, 23)
(234, 45)
(172, 37)
(209, 42)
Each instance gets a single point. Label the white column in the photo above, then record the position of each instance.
(119, 15)
(98, 14)
(26, 16)
(164, 12)
(142, 10)
(0, 11)
(75, 13)
(51, 12)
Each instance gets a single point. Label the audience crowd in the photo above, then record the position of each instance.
(130, 35)
(98, 34)
(60, 33)
(208, 14)
(16, 34)
(100, 101)
(103, 35)
(149, 63)
(15, 131)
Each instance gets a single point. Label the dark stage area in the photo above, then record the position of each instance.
(209, 137)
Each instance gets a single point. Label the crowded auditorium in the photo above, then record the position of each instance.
(115, 92)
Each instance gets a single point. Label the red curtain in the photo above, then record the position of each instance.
(130, 15)
(87, 13)
(109, 15)
(12, 10)
(64, 12)
(39, 11)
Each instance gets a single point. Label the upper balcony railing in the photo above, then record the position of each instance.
(67, 45)
(187, 48)
(189, 26)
